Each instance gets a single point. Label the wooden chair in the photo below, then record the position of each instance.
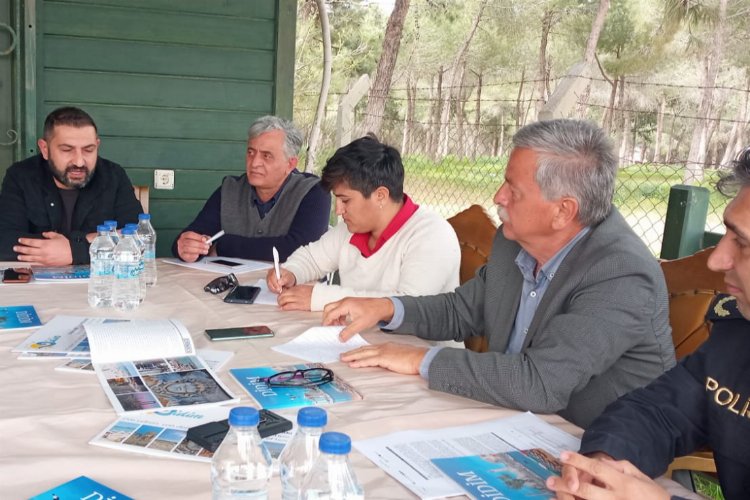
(475, 231)
(141, 194)
(692, 287)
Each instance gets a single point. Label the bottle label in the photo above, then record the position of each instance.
(126, 272)
(149, 254)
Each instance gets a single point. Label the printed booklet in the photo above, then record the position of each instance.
(18, 318)
(162, 433)
(271, 398)
(80, 487)
(151, 364)
(77, 273)
(513, 475)
(214, 359)
(62, 336)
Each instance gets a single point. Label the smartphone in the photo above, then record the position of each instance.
(242, 295)
(17, 275)
(242, 332)
(224, 262)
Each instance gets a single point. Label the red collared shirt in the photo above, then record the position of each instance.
(360, 240)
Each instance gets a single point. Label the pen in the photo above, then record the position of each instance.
(276, 263)
(215, 237)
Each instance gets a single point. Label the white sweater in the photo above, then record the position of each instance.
(422, 258)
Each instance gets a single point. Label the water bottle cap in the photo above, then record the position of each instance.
(112, 224)
(144, 216)
(101, 228)
(336, 443)
(244, 416)
(128, 230)
(311, 416)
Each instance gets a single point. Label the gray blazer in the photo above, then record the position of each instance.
(601, 329)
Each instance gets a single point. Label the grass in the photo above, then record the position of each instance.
(708, 486)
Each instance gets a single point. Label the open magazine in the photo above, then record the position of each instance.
(62, 336)
(151, 364)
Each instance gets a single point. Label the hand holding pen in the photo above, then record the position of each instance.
(279, 278)
(191, 245)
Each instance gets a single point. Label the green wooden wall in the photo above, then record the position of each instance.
(171, 85)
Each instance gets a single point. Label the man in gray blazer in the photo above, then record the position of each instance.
(573, 304)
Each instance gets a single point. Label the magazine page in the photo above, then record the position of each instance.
(81, 487)
(18, 318)
(63, 335)
(214, 359)
(515, 475)
(112, 340)
(163, 382)
(407, 455)
(336, 391)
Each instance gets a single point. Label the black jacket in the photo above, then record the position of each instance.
(30, 204)
(703, 401)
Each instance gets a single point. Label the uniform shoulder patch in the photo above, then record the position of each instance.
(723, 307)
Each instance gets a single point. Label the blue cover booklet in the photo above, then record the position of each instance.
(270, 398)
(18, 317)
(80, 487)
(518, 474)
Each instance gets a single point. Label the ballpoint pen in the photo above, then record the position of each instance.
(215, 237)
(276, 264)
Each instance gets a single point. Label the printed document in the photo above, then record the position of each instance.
(406, 455)
(320, 344)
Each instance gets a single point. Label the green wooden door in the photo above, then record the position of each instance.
(171, 85)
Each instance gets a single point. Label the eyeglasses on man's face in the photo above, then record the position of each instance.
(309, 377)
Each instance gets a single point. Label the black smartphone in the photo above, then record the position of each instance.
(225, 262)
(17, 275)
(242, 295)
(242, 332)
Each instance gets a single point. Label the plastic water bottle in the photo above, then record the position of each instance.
(300, 453)
(102, 275)
(332, 476)
(241, 468)
(126, 288)
(112, 225)
(141, 266)
(147, 234)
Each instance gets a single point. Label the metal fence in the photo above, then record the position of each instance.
(455, 162)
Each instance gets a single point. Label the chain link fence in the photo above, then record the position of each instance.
(456, 159)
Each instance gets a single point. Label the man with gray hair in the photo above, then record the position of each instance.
(272, 204)
(572, 304)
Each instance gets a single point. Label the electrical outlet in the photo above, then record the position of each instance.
(163, 179)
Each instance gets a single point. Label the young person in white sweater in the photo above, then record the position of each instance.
(386, 246)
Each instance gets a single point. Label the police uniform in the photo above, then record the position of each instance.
(704, 401)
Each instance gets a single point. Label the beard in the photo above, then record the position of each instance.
(63, 176)
(502, 213)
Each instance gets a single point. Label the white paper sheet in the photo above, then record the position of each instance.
(320, 344)
(113, 341)
(266, 296)
(209, 264)
(406, 455)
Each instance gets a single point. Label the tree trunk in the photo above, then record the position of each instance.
(518, 98)
(659, 130)
(384, 74)
(542, 78)
(435, 115)
(734, 144)
(477, 118)
(596, 29)
(312, 142)
(411, 91)
(699, 142)
(455, 74)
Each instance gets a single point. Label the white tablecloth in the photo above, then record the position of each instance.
(47, 417)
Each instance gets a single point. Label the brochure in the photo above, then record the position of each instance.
(513, 475)
(62, 335)
(162, 433)
(270, 398)
(80, 487)
(18, 318)
(223, 265)
(407, 455)
(77, 273)
(151, 364)
(214, 359)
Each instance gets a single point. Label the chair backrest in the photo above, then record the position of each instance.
(475, 231)
(692, 286)
(141, 194)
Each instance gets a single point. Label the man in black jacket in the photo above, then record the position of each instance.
(703, 401)
(51, 203)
